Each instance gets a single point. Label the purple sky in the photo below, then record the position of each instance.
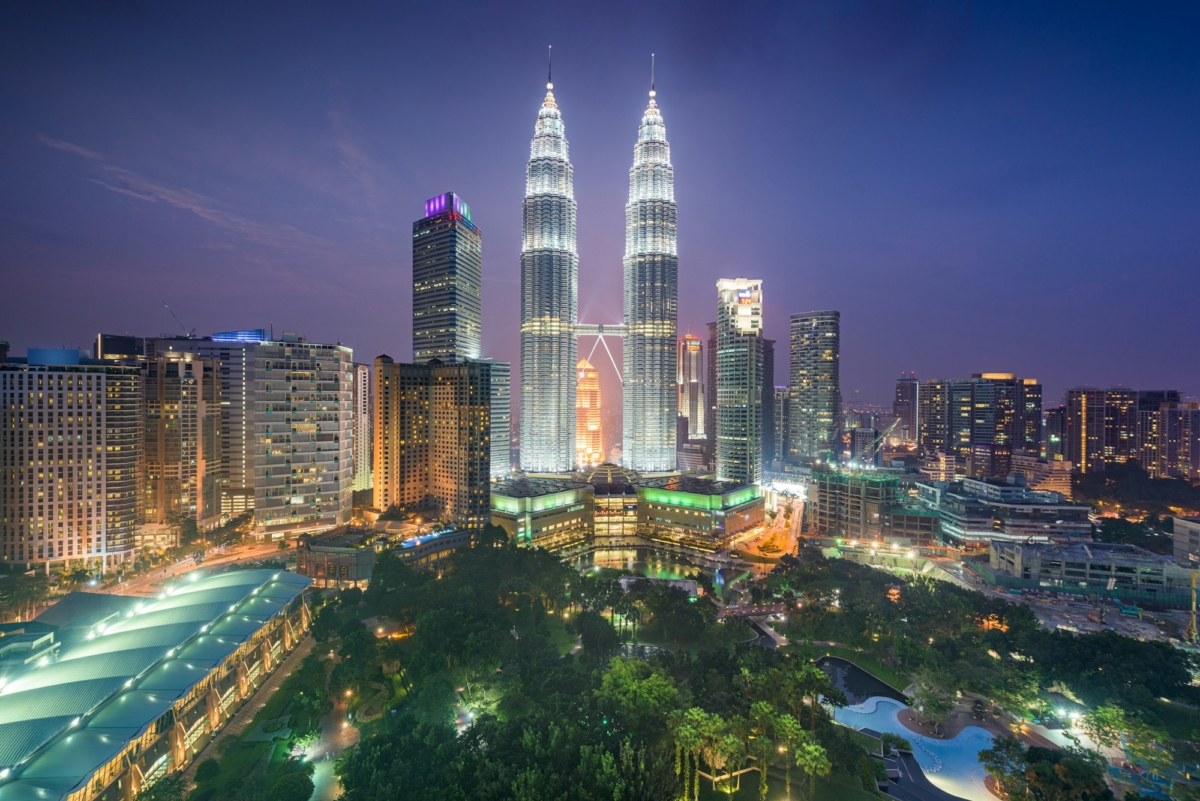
(976, 186)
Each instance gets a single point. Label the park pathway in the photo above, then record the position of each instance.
(252, 707)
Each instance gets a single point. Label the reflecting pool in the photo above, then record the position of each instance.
(952, 764)
(856, 683)
(655, 563)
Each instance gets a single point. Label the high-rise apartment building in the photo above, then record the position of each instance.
(363, 438)
(1169, 439)
(447, 265)
(1101, 427)
(549, 299)
(689, 385)
(651, 296)
(816, 386)
(433, 439)
(739, 358)
(70, 458)
(933, 416)
(287, 426)
(589, 440)
(904, 406)
(981, 420)
(182, 440)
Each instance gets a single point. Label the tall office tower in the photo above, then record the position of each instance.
(1101, 427)
(783, 405)
(589, 441)
(815, 382)
(447, 282)
(182, 445)
(1055, 427)
(363, 410)
(933, 416)
(739, 358)
(501, 432)
(433, 439)
(865, 447)
(689, 385)
(651, 298)
(549, 299)
(70, 457)
(904, 406)
(710, 396)
(768, 402)
(287, 426)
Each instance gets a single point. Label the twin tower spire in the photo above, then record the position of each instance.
(550, 299)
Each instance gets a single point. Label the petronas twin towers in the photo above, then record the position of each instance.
(550, 300)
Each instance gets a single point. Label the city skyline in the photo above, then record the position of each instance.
(201, 200)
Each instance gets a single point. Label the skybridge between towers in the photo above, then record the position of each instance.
(603, 331)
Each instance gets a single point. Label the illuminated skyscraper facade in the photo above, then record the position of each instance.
(739, 380)
(689, 385)
(433, 439)
(651, 298)
(589, 442)
(182, 446)
(549, 299)
(362, 427)
(447, 280)
(816, 389)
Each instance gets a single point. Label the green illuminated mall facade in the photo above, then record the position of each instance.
(610, 506)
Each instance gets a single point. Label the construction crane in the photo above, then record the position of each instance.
(186, 332)
(868, 452)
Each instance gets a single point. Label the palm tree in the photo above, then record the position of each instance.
(760, 744)
(76, 576)
(687, 750)
(789, 730)
(811, 759)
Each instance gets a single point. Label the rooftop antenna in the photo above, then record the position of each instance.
(652, 75)
(549, 67)
(186, 333)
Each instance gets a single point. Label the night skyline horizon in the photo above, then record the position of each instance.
(316, 215)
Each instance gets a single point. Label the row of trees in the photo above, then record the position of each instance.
(545, 725)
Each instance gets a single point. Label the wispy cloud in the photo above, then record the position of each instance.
(354, 160)
(131, 184)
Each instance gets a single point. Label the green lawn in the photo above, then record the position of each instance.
(561, 638)
(881, 671)
(1181, 723)
(830, 788)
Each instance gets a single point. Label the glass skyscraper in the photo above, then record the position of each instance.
(447, 282)
(816, 385)
(549, 299)
(739, 359)
(651, 298)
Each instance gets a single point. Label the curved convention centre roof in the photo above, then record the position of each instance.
(60, 721)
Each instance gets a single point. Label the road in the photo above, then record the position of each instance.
(148, 583)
